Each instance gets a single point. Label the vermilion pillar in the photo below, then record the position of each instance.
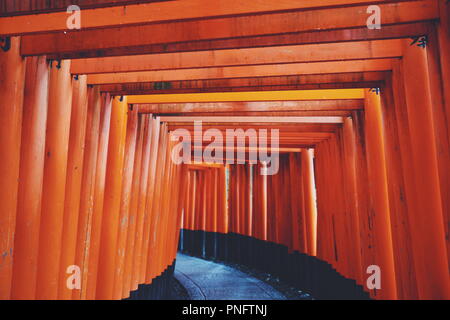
(222, 219)
(192, 198)
(297, 225)
(142, 202)
(12, 68)
(158, 259)
(183, 188)
(310, 200)
(400, 196)
(215, 201)
(87, 190)
(113, 191)
(99, 192)
(26, 241)
(249, 208)
(427, 224)
(350, 189)
(55, 171)
(438, 56)
(263, 204)
(125, 200)
(131, 235)
(326, 241)
(152, 253)
(380, 213)
(73, 182)
(151, 198)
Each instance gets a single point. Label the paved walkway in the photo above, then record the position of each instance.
(206, 280)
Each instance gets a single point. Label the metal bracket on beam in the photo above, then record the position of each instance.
(420, 41)
(58, 65)
(375, 90)
(5, 43)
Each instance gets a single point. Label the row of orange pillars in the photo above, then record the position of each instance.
(86, 181)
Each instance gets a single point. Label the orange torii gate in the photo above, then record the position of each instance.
(87, 125)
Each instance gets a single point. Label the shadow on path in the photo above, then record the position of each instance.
(206, 280)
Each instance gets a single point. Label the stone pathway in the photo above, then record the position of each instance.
(206, 280)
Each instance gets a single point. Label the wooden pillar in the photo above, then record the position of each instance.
(55, 171)
(183, 189)
(352, 202)
(125, 201)
(155, 128)
(285, 211)
(249, 207)
(428, 229)
(12, 69)
(193, 200)
(399, 197)
(111, 208)
(215, 200)
(151, 200)
(73, 183)
(99, 193)
(187, 203)
(439, 76)
(222, 220)
(380, 213)
(142, 202)
(337, 207)
(367, 240)
(444, 54)
(131, 235)
(197, 200)
(263, 204)
(310, 200)
(32, 155)
(271, 219)
(158, 256)
(87, 190)
(170, 215)
(153, 251)
(161, 256)
(326, 243)
(297, 223)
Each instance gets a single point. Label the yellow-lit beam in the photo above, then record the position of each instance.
(250, 96)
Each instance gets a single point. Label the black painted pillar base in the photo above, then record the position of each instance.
(159, 289)
(301, 271)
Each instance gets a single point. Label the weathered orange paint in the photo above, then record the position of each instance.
(75, 164)
(12, 68)
(26, 242)
(55, 173)
(99, 192)
(430, 252)
(87, 191)
(111, 208)
(125, 201)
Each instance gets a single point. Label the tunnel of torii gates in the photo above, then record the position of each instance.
(87, 120)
